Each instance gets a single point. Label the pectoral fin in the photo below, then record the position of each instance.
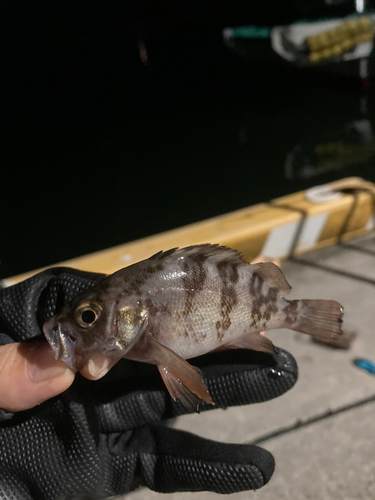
(254, 342)
(182, 380)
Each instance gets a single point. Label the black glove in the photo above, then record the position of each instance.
(106, 437)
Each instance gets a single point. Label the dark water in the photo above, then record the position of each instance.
(100, 149)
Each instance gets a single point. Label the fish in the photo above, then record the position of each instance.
(182, 303)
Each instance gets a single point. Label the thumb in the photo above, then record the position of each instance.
(29, 375)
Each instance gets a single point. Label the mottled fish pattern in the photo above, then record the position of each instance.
(183, 303)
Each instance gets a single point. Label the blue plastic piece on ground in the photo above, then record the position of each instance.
(365, 364)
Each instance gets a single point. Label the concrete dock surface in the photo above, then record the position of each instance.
(322, 432)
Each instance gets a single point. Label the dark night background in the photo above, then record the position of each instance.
(99, 149)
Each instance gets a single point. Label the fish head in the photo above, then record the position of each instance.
(95, 322)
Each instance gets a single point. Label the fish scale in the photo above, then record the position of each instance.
(184, 303)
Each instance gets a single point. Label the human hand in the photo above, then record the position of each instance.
(107, 437)
(29, 375)
(29, 372)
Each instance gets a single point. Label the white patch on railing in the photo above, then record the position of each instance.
(6, 282)
(281, 239)
(371, 222)
(127, 257)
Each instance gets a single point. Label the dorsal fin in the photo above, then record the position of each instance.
(273, 276)
(204, 251)
(162, 254)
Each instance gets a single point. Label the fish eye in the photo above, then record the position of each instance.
(87, 314)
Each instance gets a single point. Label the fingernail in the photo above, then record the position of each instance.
(99, 365)
(43, 366)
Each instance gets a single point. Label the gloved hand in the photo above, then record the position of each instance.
(106, 437)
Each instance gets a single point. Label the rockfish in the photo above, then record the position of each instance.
(183, 303)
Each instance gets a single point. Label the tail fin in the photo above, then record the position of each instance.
(320, 318)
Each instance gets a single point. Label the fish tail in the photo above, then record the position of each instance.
(321, 319)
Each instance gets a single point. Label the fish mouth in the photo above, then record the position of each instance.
(64, 344)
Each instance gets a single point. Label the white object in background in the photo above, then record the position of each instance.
(322, 194)
(360, 5)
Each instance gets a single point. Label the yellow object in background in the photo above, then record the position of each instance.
(337, 41)
(293, 224)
